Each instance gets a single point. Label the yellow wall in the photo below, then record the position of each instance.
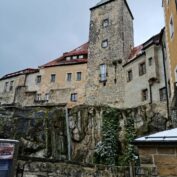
(170, 9)
(61, 85)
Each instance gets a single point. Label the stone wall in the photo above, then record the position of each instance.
(119, 35)
(164, 158)
(42, 130)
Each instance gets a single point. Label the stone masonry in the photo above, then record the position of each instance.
(118, 34)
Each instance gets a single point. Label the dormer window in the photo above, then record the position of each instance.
(105, 22)
(74, 57)
(81, 56)
(68, 58)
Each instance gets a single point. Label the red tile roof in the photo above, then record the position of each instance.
(21, 72)
(81, 50)
(137, 51)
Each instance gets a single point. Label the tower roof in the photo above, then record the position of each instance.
(102, 2)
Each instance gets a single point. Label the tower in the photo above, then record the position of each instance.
(110, 42)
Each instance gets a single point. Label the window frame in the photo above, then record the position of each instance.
(129, 75)
(103, 72)
(104, 42)
(53, 78)
(74, 97)
(144, 95)
(38, 79)
(163, 94)
(150, 59)
(6, 85)
(105, 23)
(11, 86)
(171, 27)
(69, 77)
(79, 76)
(142, 68)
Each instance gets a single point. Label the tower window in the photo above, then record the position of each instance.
(105, 22)
(104, 43)
(171, 27)
(103, 72)
(144, 94)
(53, 76)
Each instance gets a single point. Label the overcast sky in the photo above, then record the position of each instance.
(33, 32)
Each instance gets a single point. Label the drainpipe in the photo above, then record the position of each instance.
(68, 133)
(150, 90)
(165, 76)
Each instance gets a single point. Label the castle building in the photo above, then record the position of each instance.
(107, 70)
(145, 75)
(110, 42)
(59, 82)
(170, 14)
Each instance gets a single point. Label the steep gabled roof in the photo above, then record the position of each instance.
(81, 50)
(21, 72)
(139, 50)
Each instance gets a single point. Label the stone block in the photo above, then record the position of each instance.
(147, 150)
(168, 150)
(167, 170)
(165, 160)
(146, 159)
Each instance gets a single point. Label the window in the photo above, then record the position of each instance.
(129, 75)
(69, 76)
(53, 76)
(163, 94)
(11, 85)
(47, 97)
(144, 94)
(176, 4)
(38, 97)
(103, 72)
(171, 27)
(74, 57)
(150, 61)
(79, 76)
(6, 86)
(38, 79)
(74, 97)
(167, 2)
(105, 23)
(68, 58)
(142, 68)
(104, 43)
(81, 56)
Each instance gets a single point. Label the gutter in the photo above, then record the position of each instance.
(165, 74)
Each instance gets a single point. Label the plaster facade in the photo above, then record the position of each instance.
(170, 14)
(152, 80)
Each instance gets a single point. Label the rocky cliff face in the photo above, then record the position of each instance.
(42, 130)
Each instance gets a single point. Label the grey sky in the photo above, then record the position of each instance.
(33, 32)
